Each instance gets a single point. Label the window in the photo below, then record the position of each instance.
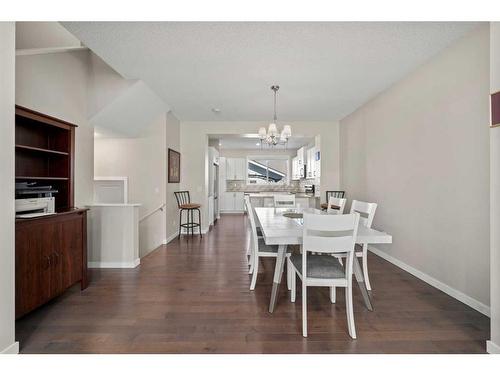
(267, 170)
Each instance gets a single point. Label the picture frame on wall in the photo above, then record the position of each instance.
(174, 166)
(495, 109)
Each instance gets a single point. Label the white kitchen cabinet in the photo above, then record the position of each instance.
(236, 169)
(295, 168)
(317, 146)
(301, 155)
(233, 201)
(317, 163)
(239, 201)
(310, 163)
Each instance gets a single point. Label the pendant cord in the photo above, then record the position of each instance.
(275, 117)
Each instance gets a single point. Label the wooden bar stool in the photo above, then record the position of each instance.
(184, 204)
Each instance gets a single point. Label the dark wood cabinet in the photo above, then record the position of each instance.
(51, 256)
(51, 251)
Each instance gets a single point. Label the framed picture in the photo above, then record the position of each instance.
(495, 109)
(174, 166)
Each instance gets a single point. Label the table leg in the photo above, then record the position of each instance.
(278, 271)
(358, 273)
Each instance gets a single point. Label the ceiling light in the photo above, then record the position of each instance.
(273, 136)
(257, 144)
(216, 110)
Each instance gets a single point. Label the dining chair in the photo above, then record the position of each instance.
(335, 194)
(327, 235)
(259, 249)
(339, 202)
(284, 201)
(259, 233)
(367, 213)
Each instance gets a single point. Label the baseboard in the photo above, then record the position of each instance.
(11, 349)
(232, 212)
(170, 238)
(469, 301)
(492, 348)
(132, 264)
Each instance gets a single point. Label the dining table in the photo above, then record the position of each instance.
(284, 227)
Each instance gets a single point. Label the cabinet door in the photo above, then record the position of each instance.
(317, 163)
(70, 251)
(38, 270)
(239, 201)
(32, 269)
(227, 201)
(230, 169)
(241, 168)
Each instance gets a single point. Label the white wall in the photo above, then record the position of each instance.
(173, 142)
(7, 302)
(56, 85)
(194, 153)
(494, 344)
(143, 161)
(36, 35)
(420, 150)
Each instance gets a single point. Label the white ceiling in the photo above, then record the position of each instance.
(325, 70)
(248, 143)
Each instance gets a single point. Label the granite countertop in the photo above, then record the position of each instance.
(272, 194)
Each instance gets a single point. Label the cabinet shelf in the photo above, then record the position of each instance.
(42, 150)
(41, 178)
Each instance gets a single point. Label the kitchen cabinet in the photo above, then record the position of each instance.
(236, 169)
(310, 163)
(233, 201)
(313, 163)
(51, 256)
(295, 168)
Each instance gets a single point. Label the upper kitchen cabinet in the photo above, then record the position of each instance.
(236, 169)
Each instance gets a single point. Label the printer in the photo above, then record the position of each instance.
(34, 207)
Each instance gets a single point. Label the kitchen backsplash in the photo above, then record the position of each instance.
(240, 185)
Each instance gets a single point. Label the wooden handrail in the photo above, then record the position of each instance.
(160, 208)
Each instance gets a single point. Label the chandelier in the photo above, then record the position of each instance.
(272, 136)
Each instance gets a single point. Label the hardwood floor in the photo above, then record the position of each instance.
(193, 297)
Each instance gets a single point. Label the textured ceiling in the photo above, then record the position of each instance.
(325, 70)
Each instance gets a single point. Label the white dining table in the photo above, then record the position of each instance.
(283, 231)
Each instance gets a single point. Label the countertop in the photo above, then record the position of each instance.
(114, 205)
(272, 194)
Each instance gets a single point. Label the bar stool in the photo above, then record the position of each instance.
(184, 204)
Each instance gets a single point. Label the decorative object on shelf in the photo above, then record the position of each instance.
(272, 136)
(174, 166)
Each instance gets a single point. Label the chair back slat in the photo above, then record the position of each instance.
(366, 211)
(182, 197)
(340, 202)
(284, 201)
(335, 194)
(330, 233)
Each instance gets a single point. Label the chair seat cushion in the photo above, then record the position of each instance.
(319, 266)
(189, 206)
(263, 248)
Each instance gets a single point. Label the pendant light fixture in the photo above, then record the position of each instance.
(272, 136)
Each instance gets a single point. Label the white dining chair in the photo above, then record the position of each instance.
(259, 233)
(284, 201)
(259, 249)
(367, 213)
(325, 235)
(339, 202)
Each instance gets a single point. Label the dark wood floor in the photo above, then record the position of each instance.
(193, 297)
